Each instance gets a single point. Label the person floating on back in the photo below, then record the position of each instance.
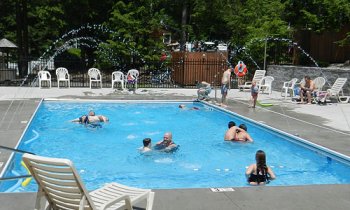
(183, 106)
(91, 119)
(259, 173)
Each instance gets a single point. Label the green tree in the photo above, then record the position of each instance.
(46, 23)
(317, 15)
(137, 32)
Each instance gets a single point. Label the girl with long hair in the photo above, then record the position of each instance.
(259, 173)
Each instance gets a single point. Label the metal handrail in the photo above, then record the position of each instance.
(16, 150)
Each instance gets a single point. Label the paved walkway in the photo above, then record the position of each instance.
(327, 126)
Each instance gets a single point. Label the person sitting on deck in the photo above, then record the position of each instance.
(131, 79)
(307, 90)
(204, 90)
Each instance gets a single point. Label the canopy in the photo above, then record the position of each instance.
(4, 43)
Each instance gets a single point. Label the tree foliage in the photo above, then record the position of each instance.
(136, 27)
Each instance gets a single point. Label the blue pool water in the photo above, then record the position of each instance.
(203, 160)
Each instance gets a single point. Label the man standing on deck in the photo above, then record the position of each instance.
(225, 85)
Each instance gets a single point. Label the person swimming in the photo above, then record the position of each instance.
(183, 106)
(91, 120)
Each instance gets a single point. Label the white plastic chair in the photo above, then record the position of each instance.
(62, 76)
(118, 77)
(288, 88)
(132, 77)
(266, 84)
(44, 76)
(319, 83)
(258, 76)
(60, 184)
(95, 76)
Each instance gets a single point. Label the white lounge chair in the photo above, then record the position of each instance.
(95, 76)
(60, 184)
(266, 84)
(288, 88)
(337, 90)
(132, 77)
(118, 77)
(62, 76)
(258, 76)
(44, 76)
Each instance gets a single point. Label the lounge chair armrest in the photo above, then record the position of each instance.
(82, 203)
(116, 200)
(286, 84)
(248, 83)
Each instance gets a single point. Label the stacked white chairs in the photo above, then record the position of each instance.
(95, 76)
(288, 88)
(266, 84)
(132, 77)
(44, 76)
(62, 76)
(118, 77)
(60, 185)
(258, 76)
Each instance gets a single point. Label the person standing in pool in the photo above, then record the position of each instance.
(146, 145)
(231, 132)
(167, 144)
(259, 173)
(242, 134)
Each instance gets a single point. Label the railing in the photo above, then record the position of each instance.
(173, 74)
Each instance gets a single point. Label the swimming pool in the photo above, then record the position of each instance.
(203, 160)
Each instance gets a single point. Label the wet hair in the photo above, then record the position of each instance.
(307, 77)
(243, 126)
(146, 142)
(231, 124)
(260, 158)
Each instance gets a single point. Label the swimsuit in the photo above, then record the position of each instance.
(163, 146)
(86, 119)
(258, 177)
(224, 88)
(254, 90)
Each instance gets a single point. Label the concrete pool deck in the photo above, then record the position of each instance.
(328, 126)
